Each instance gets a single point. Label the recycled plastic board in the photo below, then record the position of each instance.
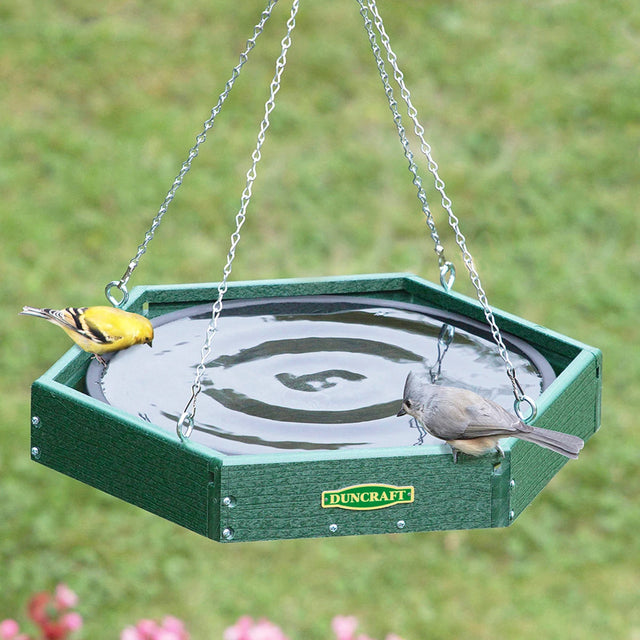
(277, 496)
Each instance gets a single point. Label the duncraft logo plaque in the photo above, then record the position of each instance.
(365, 497)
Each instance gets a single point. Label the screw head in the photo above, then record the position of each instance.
(228, 533)
(35, 453)
(512, 483)
(229, 501)
(512, 515)
(333, 528)
(35, 421)
(401, 524)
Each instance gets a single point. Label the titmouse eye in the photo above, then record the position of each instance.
(407, 403)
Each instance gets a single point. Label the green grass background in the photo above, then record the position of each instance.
(533, 112)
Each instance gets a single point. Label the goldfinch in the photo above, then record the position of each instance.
(98, 329)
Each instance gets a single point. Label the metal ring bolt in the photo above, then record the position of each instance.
(447, 275)
(118, 284)
(517, 407)
(184, 428)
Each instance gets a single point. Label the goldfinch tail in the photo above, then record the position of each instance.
(38, 313)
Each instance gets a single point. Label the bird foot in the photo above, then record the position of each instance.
(455, 452)
(499, 450)
(101, 360)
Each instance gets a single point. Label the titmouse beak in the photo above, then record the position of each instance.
(402, 412)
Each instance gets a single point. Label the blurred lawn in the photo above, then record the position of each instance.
(533, 112)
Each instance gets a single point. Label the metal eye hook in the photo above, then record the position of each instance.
(517, 407)
(521, 398)
(122, 287)
(447, 276)
(184, 427)
(447, 333)
(186, 422)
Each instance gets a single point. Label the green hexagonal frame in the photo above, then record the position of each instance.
(277, 496)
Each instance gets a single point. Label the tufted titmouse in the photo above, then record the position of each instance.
(473, 424)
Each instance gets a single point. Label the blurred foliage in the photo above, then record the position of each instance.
(533, 113)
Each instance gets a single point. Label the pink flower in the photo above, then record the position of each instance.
(147, 629)
(164, 634)
(9, 629)
(131, 633)
(265, 630)
(344, 627)
(71, 621)
(247, 629)
(175, 626)
(65, 598)
(239, 631)
(170, 623)
(393, 636)
(171, 629)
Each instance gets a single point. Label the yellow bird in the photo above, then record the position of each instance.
(98, 329)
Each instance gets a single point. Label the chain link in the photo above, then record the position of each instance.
(454, 223)
(186, 421)
(186, 165)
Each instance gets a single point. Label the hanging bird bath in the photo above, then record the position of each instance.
(295, 434)
(293, 493)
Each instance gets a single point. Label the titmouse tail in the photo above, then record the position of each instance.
(563, 443)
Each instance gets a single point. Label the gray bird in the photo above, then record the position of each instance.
(473, 424)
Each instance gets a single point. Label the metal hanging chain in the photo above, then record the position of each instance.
(447, 270)
(454, 223)
(121, 284)
(185, 423)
